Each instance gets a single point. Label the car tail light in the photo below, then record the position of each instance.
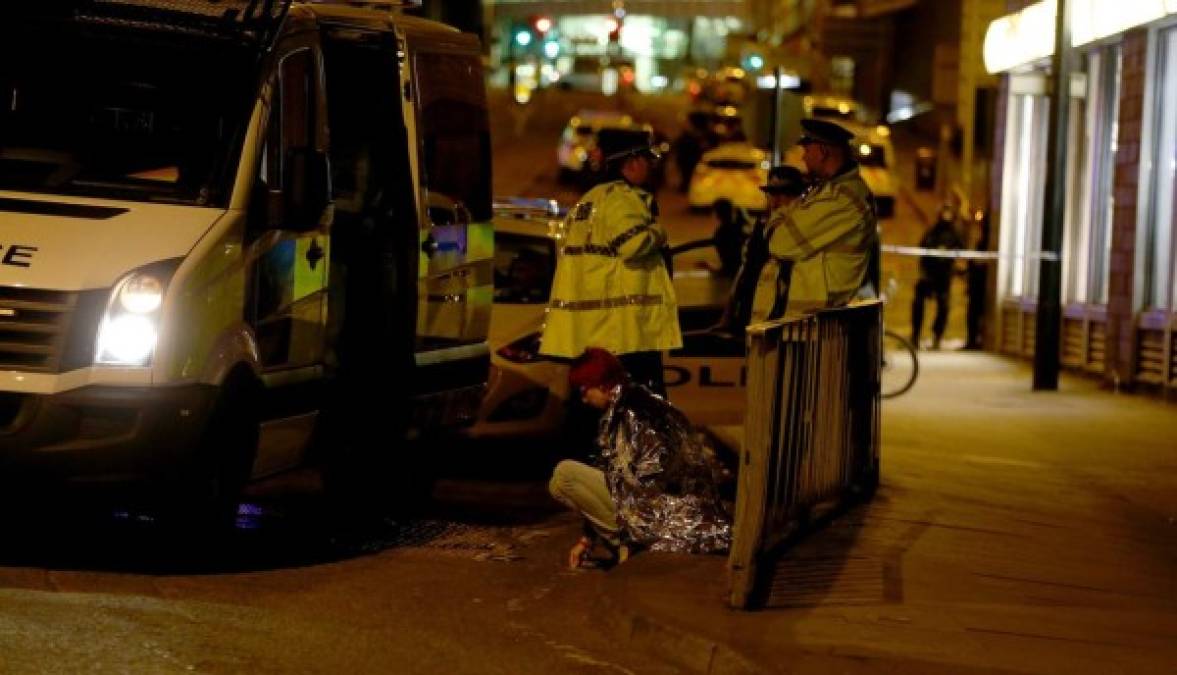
(523, 350)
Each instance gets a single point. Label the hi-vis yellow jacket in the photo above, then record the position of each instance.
(611, 288)
(828, 236)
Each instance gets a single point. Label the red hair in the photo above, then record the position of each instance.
(596, 368)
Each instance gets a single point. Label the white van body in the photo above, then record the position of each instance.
(184, 297)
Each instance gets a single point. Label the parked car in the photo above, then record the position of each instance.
(836, 108)
(526, 392)
(729, 86)
(733, 171)
(598, 74)
(583, 75)
(591, 136)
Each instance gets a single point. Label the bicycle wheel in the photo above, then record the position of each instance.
(900, 365)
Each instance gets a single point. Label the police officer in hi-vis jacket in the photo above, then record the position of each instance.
(829, 236)
(612, 288)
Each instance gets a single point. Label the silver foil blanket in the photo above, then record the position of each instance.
(662, 475)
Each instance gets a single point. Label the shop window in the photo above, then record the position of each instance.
(1160, 284)
(1091, 217)
(1023, 192)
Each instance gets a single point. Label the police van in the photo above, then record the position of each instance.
(235, 233)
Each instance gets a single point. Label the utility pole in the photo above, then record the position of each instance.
(774, 127)
(1049, 320)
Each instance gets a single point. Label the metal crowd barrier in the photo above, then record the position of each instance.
(811, 433)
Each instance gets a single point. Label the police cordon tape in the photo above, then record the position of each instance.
(961, 254)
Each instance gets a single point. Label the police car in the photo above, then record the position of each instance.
(834, 107)
(733, 171)
(577, 153)
(526, 392)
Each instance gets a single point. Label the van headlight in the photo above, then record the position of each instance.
(129, 330)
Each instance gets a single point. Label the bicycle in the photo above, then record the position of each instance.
(901, 363)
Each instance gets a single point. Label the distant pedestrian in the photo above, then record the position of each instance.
(689, 148)
(935, 276)
(786, 184)
(978, 284)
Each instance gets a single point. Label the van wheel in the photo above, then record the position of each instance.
(223, 462)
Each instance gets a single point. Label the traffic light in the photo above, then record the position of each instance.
(523, 37)
(542, 24)
(614, 26)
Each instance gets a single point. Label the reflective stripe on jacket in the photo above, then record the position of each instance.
(611, 288)
(829, 236)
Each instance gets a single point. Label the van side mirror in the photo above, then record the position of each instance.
(305, 189)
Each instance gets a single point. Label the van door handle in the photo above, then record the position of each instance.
(314, 253)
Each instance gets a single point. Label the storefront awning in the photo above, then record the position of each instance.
(522, 9)
(1024, 37)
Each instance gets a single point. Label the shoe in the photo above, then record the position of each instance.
(936, 345)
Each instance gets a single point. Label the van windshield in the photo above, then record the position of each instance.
(113, 113)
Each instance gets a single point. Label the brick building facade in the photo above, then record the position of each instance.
(1121, 311)
(1120, 280)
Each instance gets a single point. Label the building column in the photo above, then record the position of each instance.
(993, 321)
(975, 18)
(1120, 367)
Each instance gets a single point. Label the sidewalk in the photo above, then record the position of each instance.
(1013, 532)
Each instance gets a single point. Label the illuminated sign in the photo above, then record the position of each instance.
(1024, 37)
(1092, 20)
(1020, 38)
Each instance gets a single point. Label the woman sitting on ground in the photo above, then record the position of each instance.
(659, 487)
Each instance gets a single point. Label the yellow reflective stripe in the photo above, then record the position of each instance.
(798, 236)
(632, 232)
(480, 240)
(862, 208)
(606, 303)
(590, 249)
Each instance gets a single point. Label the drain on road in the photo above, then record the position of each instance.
(812, 582)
